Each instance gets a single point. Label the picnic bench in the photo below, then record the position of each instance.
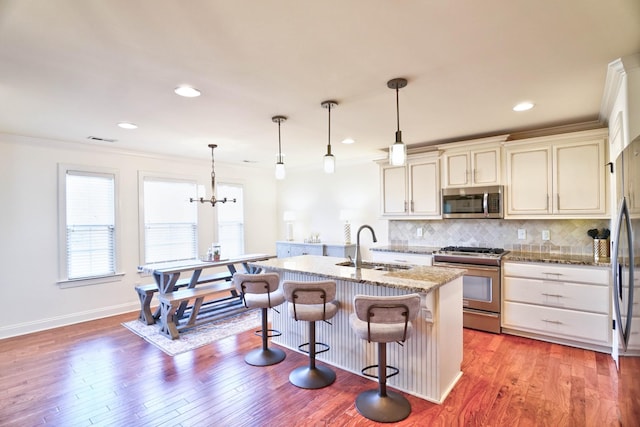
(147, 292)
(185, 303)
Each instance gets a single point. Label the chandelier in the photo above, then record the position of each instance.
(213, 199)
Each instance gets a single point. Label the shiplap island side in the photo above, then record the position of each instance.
(430, 359)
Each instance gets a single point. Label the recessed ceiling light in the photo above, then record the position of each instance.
(523, 106)
(187, 91)
(127, 125)
(348, 141)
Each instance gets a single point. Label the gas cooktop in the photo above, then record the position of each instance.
(469, 255)
(472, 250)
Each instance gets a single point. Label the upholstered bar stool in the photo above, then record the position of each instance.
(383, 320)
(261, 291)
(311, 302)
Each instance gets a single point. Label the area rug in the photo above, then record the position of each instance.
(198, 336)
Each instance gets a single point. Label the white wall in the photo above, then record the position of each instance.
(317, 199)
(31, 298)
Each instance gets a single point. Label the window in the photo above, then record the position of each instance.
(87, 215)
(170, 220)
(230, 220)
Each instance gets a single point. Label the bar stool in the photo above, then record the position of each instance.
(311, 302)
(383, 319)
(261, 291)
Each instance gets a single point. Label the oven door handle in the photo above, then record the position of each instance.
(485, 204)
(466, 266)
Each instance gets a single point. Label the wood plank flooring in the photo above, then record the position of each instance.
(100, 374)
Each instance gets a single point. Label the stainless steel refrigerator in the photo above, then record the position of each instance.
(625, 258)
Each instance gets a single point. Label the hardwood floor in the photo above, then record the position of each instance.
(99, 373)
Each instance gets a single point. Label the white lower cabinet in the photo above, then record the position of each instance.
(285, 249)
(564, 304)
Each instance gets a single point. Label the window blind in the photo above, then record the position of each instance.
(90, 224)
(170, 221)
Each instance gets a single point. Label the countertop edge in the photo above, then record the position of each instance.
(419, 279)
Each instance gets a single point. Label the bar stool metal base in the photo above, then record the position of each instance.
(260, 357)
(385, 409)
(312, 378)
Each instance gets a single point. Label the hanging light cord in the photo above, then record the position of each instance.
(279, 143)
(329, 134)
(397, 108)
(213, 173)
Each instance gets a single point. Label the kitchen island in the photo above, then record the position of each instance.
(430, 359)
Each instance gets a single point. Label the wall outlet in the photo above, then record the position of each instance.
(522, 234)
(419, 231)
(545, 235)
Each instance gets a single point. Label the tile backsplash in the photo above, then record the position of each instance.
(566, 236)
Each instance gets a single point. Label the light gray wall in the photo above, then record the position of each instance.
(31, 298)
(317, 199)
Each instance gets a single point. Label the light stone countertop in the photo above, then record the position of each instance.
(415, 279)
(406, 249)
(556, 259)
(510, 256)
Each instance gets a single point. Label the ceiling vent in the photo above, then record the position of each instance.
(97, 138)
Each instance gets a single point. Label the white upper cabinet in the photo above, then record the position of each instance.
(561, 175)
(472, 163)
(412, 190)
(621, 102)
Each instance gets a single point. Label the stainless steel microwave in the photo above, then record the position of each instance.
(473, 202)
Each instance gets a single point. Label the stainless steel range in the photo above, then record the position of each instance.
(481, 283)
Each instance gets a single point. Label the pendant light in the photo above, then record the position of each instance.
(329, 159)
(280, 171)
(213, 199)
(398, 151)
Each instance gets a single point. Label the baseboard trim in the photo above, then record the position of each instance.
(68, 319)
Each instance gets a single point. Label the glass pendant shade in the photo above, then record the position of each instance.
(397, 152)
(329, 162)
(281, 173)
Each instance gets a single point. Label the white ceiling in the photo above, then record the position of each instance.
(70, 69)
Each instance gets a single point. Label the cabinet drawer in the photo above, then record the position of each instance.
(402, 258)
(567, 324)
(582, 274)
(306, 250)
(634, 338)
(557, 294)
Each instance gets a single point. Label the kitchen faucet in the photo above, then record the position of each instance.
(358, 262)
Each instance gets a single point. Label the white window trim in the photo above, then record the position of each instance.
(164, 177)
(64, 281)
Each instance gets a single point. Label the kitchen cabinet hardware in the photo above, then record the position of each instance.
(574, 299)
(473, 163)
(413, 190)
(540, 176)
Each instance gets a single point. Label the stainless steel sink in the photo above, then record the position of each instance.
(376, 266)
